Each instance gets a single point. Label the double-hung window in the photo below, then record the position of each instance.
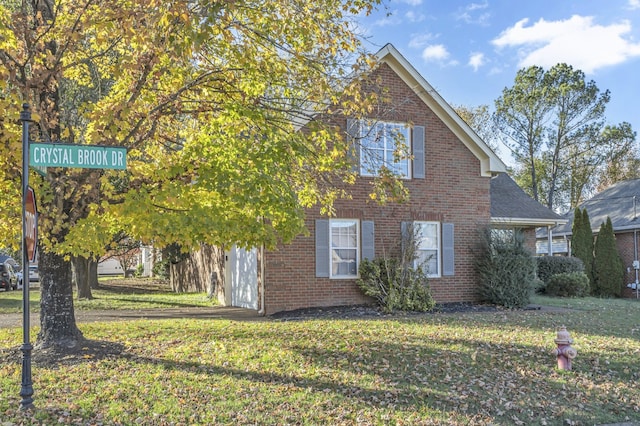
(341, 244)
(345, 248)
(429, 247)
(384, 144)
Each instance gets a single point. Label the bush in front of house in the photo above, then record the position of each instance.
(568, 284)
(161, 269)
(538, 286)
(548, 266)
(506, 270)
(394, 286)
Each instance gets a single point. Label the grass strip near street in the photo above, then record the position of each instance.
(115, 294)
(454, 369)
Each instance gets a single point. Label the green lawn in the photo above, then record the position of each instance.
(115, 293)
(473, 368)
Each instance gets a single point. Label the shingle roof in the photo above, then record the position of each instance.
(620, 202)
(511, 205)
(4, 258)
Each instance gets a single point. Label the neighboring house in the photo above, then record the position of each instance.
(449, 179)
(620, 202)
(512, 209)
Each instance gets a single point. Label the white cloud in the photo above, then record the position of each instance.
(472, 13)
(418, 41)
(634, 4)
(437, 53)
(414, 17)
(476, 60)
(577, 41)
(413, 2)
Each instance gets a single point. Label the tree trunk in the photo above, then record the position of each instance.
(93, 274)
(81, 277)
(57, 319)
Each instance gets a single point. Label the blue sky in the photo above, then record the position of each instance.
(470, 50)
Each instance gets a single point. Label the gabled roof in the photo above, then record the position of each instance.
(489, 161)
(4, 258)
(510, 205)
(620, 202)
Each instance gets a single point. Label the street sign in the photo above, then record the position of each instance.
(82, 156)
(31, 219)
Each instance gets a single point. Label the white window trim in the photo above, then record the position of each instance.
(331, 248)
(438, 248)
(362, 124)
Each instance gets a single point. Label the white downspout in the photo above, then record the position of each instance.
(261, 281)
(635, 256)
(550, 240)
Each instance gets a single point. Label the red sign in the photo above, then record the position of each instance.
(31, 218)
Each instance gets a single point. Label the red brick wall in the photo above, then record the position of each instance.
(530, 239)
(453, 192)
(624, 242)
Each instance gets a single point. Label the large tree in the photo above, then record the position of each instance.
(520, 114)
(622, 165)
(208, 98)
(555, 124)
(481, 121)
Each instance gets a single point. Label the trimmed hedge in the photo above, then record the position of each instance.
(568, 284)
(548, 266)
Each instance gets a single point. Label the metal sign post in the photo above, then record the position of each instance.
(41, 156)
(26, 391)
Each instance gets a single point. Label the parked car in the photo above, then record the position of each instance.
(8, 277)
(34, 274)
(19, 275)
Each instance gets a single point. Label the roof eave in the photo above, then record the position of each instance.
(522, 221)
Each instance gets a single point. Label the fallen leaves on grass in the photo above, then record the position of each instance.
(462, 369)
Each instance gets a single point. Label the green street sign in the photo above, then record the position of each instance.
(82, 156)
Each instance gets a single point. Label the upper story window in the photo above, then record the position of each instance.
(384, 144)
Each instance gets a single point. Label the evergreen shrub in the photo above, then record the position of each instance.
(548, 266)
(506, 270)
(582, 242)
(568, 284)
(608, 270)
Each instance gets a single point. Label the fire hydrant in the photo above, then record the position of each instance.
(564, 351)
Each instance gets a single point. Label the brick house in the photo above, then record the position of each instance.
(449, 180)
(620, 202)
